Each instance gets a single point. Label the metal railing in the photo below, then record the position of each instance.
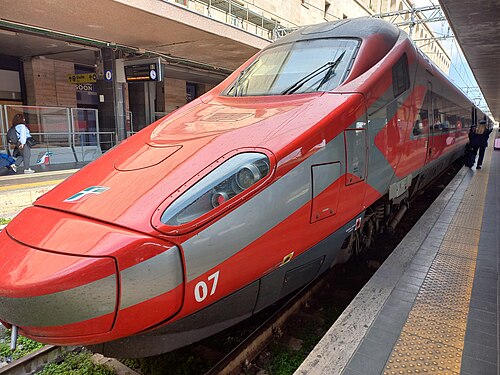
(65, 135)
(130, 128)
(241, 14)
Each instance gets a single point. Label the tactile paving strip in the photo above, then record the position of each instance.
(456, 249)
(413, 354)
(463, 235)
(437, 312)
(435, 330)
(469, 221)
(432, 339)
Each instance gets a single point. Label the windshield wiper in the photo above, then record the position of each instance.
(330, 67)
(244, 72)
(330, 71)
(237, 83)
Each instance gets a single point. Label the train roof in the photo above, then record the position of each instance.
(362, 28)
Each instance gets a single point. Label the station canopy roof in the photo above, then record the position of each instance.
(477, 29)
(149, 25)
(172, 30)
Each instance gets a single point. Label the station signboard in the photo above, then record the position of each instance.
(82, 78)
(89, 87)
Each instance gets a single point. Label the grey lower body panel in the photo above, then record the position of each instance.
(233, 308)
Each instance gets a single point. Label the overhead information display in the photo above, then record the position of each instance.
(142, 72)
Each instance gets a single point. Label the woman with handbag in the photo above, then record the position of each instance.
(481, 142)
(22, 150)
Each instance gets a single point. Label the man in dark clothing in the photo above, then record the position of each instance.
(479, 141)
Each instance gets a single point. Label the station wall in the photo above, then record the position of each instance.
(175, 93)
(47, 83)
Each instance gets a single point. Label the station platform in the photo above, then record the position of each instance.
(432, 307)
(19, 190)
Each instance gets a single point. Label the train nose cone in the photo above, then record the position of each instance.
(69, 280)
(50, 294)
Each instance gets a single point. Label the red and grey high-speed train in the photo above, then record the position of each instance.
(236, 199)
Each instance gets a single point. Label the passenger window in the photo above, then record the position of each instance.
(418, 128)
(422, 121)
(437, 123)
(400, 76)
(452, 122)
(355, 140)
(443, 122)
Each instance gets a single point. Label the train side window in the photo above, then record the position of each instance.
(355, 141)
(436, 119)
(400, 76)
(443, 122)
(452, 121)
(418, 128)
(422, 121)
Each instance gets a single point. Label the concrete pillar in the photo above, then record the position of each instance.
(111, 100)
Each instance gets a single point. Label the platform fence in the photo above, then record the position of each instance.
(64, 135)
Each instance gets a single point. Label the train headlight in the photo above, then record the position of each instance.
(247, 176)
(219, 186)
(219, 197)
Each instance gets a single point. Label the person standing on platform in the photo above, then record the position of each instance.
(470, 152)
(22, 150)
(480, 141)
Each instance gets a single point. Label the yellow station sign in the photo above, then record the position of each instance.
(82, 78)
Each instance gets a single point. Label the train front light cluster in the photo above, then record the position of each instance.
(219, 186)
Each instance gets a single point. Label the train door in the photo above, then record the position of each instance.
(355, 174)
(427, 106)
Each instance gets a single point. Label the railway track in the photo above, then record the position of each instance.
(35, 361)
(249, 348)
(304, 309)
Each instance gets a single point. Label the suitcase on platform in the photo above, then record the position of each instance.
(497, 144)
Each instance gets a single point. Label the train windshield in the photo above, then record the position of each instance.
(296, 68)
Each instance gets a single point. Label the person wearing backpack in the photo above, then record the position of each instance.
(22, 150)
(479, 142)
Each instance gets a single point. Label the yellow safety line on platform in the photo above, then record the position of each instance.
(29, 185)
(432, 339)
(21, 176)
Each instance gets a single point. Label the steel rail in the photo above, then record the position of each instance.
(258, 340)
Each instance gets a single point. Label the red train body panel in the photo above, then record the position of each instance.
(238, 198)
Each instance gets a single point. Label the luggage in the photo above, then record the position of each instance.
(497, 144)
(470, 155)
